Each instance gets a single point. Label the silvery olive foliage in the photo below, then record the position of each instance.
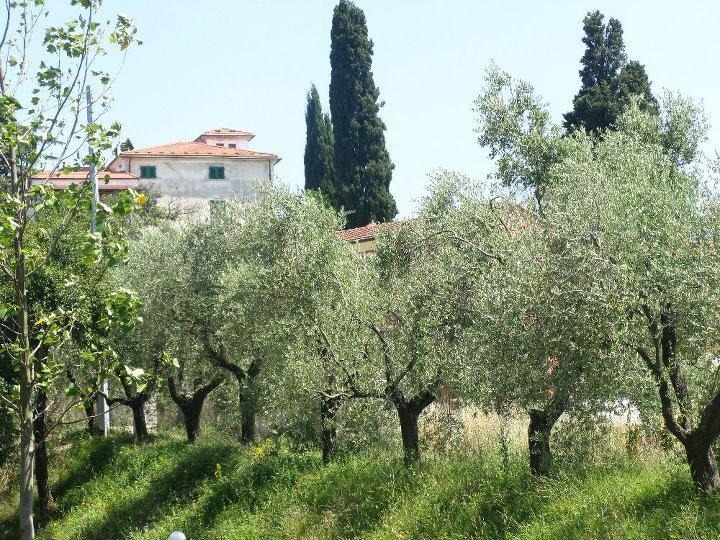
(534, 329)
(653, 224)
(296, 297)
(515, 127)
(605, 287)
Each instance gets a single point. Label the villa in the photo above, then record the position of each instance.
(214, 166)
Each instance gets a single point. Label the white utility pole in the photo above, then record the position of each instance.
(102, 412)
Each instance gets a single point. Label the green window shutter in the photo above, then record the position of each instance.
(148, 172)
(216, 173)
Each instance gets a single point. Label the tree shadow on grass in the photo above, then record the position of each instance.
(173, 488)
(657, 510)
(249, 487)
(100, 454)
(97, 454)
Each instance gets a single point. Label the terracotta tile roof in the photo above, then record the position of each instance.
(83, 174)
(194, 148)
(226, 131)
(107, 180)
(368, 232)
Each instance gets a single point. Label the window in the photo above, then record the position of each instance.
(217, 173)
(232, 145)
(148, 171)
(219, 144)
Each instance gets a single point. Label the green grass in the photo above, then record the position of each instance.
(116, 489)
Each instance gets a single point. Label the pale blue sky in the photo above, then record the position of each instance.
(248, 65)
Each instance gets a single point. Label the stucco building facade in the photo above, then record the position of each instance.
(216, 165)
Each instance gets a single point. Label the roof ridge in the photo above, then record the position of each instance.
(196, 148)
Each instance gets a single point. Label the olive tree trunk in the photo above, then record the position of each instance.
(539, 432)
(191, 405)
(329, 406)
(248, 410)
(542, 422)
(697, 440)
(89, 406)
(191, 415)
(410, 433)
(408, 414)
(139, 420)
(702, 462)
(247, 393)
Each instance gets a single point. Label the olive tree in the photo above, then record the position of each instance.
(542, 334)
(539, 337)
(292, 296)
(164, 344)
(408, 330)
(643, 207)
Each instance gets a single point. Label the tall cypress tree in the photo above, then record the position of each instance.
(594, 106)
(609, 82)
(319, 169)
(362, 163)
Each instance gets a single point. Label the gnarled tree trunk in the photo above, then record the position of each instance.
(697, 440)
(408, 414)
(410, 432)
(540, 429)
(136, 402)
(247, 393)
(89, 406)
(329, 406)
(192, 422)
(703, 465)
(539, 432)
(248, 409)
(408, 410)
(138, 411)
(191, 405)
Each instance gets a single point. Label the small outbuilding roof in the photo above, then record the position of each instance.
(369, 231)
(223, 131)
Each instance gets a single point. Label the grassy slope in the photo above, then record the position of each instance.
(114, 489)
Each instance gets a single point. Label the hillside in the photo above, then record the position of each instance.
(113, 489)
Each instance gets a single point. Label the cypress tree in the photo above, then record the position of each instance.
(632, 82)
(595, 105)
(319, 170)
(362, 163)
(609, 82)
